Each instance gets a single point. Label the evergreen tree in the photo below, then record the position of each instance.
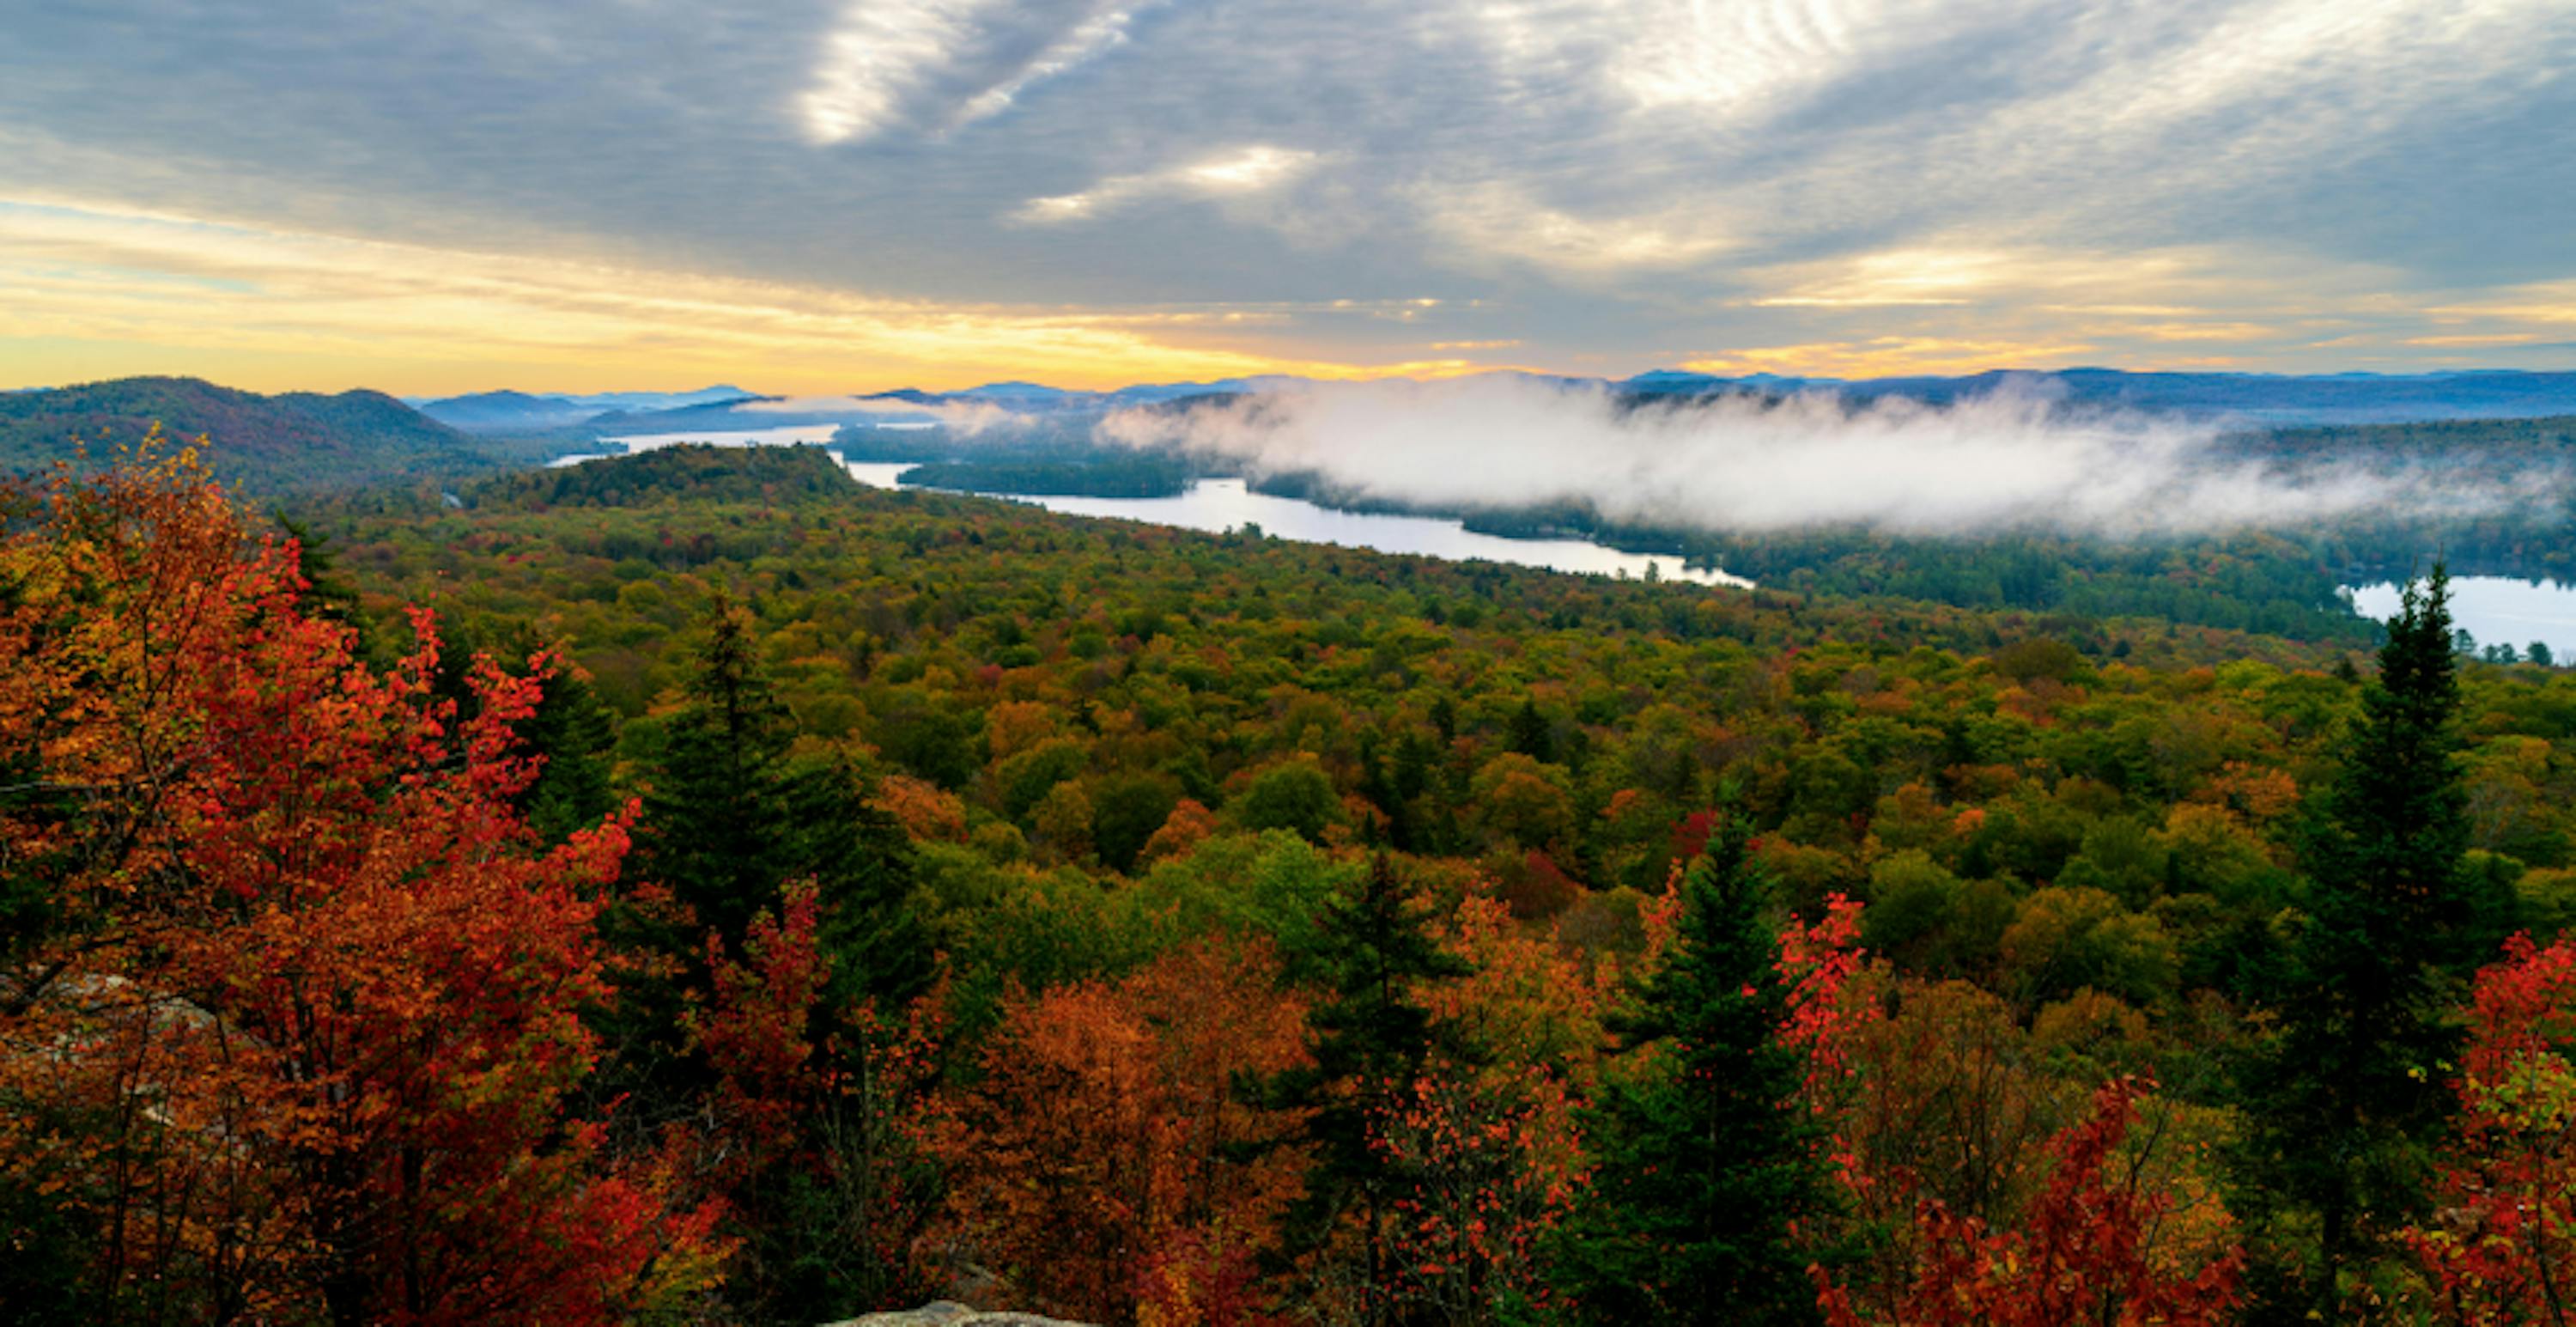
(572, 732)
(328, 594)
(1530, 736)
(1374, 1038)
(731, 816)
(2345, 1100)
(1706, 1166)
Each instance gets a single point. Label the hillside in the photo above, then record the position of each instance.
(485, 412)
(296, 440)
(985, 850)
(509, 411)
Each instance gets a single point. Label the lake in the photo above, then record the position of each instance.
(1219, 505)
(2495, 610)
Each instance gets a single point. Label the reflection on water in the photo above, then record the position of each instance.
(1218, 505)
(2496, 610)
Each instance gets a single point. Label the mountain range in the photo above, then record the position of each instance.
(512, 411)
(2252, 399)
(307, 440)
(293, 440)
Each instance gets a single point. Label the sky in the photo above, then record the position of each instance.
(432, 196)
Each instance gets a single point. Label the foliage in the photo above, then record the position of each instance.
(299, 1036)
(2498, 1246)
(2345, 1100)
(1708, 1178)
(1107, 1159)
(2081, 1255)
(295, 442)
(1279, 919)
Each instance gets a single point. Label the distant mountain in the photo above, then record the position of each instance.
(495, 412)
(1019, 395)
(507, 411)
(734, 416)
(2280, 400)
(298, 440)
(655, 400)
(2253, 399)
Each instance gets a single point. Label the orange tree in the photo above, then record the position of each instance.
(288, 1021)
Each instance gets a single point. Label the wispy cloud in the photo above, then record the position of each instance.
(883, 54)
(76, 275)
(2158, 181)
(1233, 174)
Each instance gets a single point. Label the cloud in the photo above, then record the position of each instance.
(1087, 41)
(1609, 182)
(1745, 464)
(880, 52)
(280, 307)
(1243, 171)
(1502, 222)
(968, 418)
(984, 55)
(1888, 356)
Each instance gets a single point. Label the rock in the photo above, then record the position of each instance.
(949, 1313)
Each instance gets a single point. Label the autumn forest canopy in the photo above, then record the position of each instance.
(1356, 663)
(691, 887)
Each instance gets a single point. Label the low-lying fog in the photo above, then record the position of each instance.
(1741, 463)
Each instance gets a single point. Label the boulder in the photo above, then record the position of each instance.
(949, 1313)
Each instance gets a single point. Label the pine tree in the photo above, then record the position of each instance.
(731, 816)
(2346, 1098)
(572, 731)
(1374, 1039)
(1706, 1167)
(715, 829)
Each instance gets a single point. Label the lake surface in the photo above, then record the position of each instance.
(2496, 610)
(1219, 505)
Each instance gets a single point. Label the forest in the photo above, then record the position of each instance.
(694, 888)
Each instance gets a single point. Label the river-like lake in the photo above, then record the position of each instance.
(2495, 610)
(1219, 505)
(2492, 609)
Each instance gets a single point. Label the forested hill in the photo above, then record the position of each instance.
(295, 440)
(824, 897)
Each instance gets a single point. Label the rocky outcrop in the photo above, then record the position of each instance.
(947, 1313)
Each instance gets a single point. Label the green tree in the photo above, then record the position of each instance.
(2345, 1099)
(730, 816)
(1707, 1167)
(573, 733)
(1296, 796)
(1530, 735)
(1125, 811)
(1373, 1039)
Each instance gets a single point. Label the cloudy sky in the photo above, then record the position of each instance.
(839, 195)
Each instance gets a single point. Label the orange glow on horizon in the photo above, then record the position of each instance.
(90, 292)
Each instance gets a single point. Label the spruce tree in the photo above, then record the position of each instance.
(732, 815)
(572, 732)
(1374, 1037)
(2345, 1100)
(1706, 1165)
